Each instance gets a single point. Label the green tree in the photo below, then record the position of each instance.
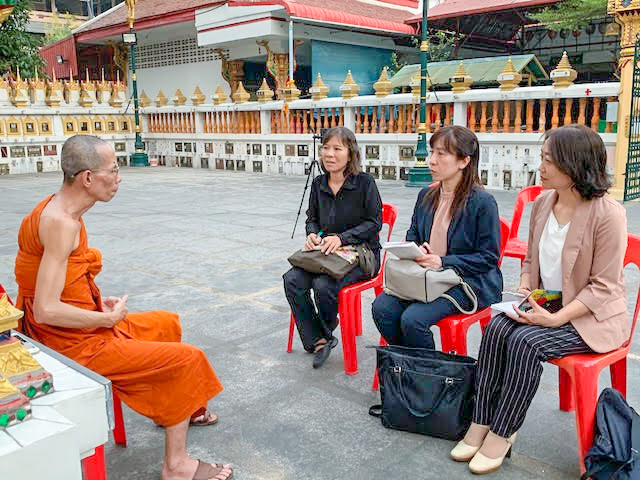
(60, 28)
(19, 48)
(571, 14)
(441, 48)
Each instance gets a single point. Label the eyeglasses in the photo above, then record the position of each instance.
(113, 171)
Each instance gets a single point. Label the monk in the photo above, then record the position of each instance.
(141, 353)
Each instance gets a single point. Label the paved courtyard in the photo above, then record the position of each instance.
(212, 246)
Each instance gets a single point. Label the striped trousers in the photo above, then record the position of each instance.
(510, 366)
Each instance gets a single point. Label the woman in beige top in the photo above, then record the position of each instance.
(577, 243)
(456, 224)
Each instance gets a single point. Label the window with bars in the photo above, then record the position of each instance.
(176, 52)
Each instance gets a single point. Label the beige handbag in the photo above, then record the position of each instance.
(407, 280)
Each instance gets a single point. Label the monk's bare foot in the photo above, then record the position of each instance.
(209, 418)
(180, 469)
(188, 468)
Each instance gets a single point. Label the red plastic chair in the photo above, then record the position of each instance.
(578, 386)
(350, 304)
(453, 329)
(517, 248)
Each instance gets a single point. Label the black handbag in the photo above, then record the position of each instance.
(425, 391)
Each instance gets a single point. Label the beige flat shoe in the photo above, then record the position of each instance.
(463, 452)
(481, 464)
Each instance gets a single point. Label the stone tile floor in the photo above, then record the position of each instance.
(212, 245)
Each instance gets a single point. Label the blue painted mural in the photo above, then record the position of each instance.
(332, 60)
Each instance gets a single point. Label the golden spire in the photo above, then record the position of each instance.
(145, 101)
(264, 94)
(383, 86)
(319, 89)
(219, 96)
(198, 97)
(349, 88)
(461, 81)
(179, 98)
(240, 95)
(509, 78)
(161, 100)
(564, 74)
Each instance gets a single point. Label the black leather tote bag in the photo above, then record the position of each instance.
(425, 391)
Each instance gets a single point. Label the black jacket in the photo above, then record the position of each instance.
(354, 214)
(473, 242)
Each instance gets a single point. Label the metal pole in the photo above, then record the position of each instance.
(139, 158)
(291, 50)
(420, 176)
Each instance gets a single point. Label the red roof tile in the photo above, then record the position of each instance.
(458, 8)
(145, 10)
(352, 12)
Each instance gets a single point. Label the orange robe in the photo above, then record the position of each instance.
(151, 370)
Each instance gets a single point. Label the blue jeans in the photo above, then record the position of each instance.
(407, 323)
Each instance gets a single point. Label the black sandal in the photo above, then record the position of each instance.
(320, 356)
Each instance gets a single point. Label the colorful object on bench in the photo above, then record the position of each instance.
(22, 370)
(14, 406)
(9, 316)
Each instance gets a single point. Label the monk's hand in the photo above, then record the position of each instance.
(429, 261)
(119, 311)
(538, 316)
(330, 244)
(108, 303)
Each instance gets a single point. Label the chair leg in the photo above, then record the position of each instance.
(375, 385)
(357, 313)
(619, 376)
(94, 467)
(292, 324)
(565, 391)
(585, 390)
(119, 433)
(347, 331)
(453, 338)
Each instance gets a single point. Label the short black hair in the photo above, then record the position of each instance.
(580, 153)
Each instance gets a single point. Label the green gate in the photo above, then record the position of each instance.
(632, 172)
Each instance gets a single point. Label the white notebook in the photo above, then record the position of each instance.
(403, 250)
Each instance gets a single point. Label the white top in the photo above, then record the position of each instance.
(550, 253)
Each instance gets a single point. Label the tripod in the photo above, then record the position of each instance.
(314, 162)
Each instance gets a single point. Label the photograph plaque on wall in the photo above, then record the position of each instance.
(34, 150)
(372, 151)
(228, 148)
(17, 151)
(303, 150)
(257, 149)
(289, 150)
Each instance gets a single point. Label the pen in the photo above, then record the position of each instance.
(320, 233)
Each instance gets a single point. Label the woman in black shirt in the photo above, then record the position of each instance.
(344, 209)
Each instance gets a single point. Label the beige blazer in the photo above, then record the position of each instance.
(592, 266)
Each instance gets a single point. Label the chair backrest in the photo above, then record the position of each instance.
(526, 195)
(633, 256)
(389, 215)
(505, 228)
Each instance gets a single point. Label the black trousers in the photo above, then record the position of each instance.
(510, 366)
(320, 321)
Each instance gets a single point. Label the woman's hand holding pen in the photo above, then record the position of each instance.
(312, 240)
(429, 259)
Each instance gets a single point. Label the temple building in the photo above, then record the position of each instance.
(200, 43)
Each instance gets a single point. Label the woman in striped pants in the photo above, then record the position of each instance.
(577, 243)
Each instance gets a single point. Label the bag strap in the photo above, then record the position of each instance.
(375, 410)
(436, 404)
(470, 293)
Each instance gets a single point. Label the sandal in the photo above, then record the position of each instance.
(205, 418)
(207, 471)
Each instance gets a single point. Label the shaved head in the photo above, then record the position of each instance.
(79, 153)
